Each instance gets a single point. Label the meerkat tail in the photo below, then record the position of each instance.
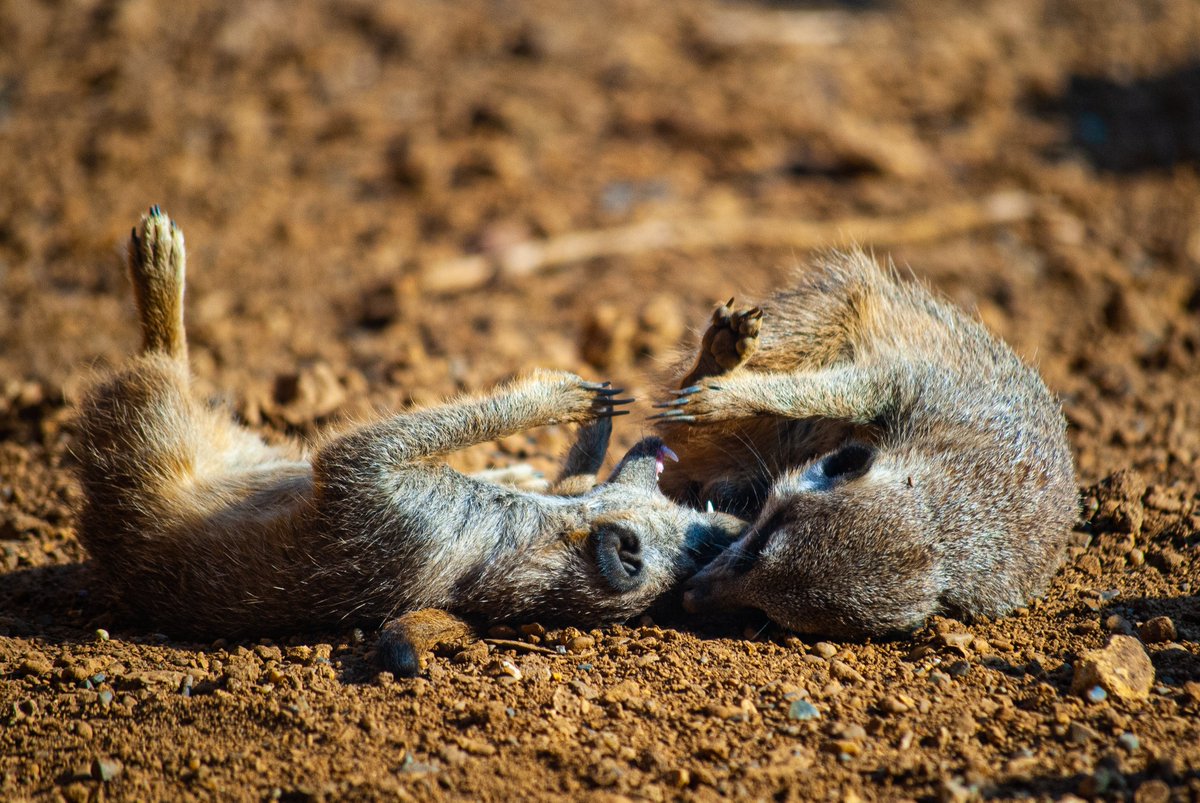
(157, 262)
(404, 640)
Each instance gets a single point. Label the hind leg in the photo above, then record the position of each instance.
(730, 340)
(157, 261)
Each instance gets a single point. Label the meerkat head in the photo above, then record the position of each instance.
(840, 548)
(635, 543)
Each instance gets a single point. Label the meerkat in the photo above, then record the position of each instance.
(895, 458)
(199, 525)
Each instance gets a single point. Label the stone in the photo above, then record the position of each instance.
(825, 649)
(106, 769)
(1122, 668)
(802, 710)
(1156, 630)
(1154, 791)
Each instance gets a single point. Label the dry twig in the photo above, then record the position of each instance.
(523, 259)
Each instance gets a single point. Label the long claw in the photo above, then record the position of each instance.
(672, 403)
(611, 413)
(608, 391)
(595, 385)
(729, 303)
(688, 391)
(672, 415)
(619, 401)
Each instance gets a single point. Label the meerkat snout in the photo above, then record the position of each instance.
(841, 548)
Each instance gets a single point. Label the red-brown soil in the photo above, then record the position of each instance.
(321, 157)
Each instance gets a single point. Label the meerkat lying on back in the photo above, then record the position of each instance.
(897, 460)
(199, 525)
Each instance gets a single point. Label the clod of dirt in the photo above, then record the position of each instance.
(1156, 630)
(607, 338)
(1122, 668)
(1119, 502)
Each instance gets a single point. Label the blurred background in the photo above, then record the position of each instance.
(332, 163)
(390, 202)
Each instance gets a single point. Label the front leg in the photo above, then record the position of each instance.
(847, 393)
(546, 397)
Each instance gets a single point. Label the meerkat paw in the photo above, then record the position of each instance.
(405, 641)
(732, 337)
(156, 253)
(730, 340)
(709, 402)
(156, 267)
(575, 400)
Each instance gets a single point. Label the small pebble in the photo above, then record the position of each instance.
(1130, 742)
(106, 697)
(803, 711)
(585, 667)
(1154, 791)
(106, 769)
(844, 747)
(678, 778)
(958, 669)
(581, 644)
(1079, 733)
(1097, 694)
(1157, 630)
(102, 634)
(825, 649)
(1117, 624)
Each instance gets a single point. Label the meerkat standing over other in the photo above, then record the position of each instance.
(898, 461)
(199, 525)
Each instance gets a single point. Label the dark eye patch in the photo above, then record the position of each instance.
(752, 545)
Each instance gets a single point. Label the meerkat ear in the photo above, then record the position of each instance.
(847, 463)
(642, 464)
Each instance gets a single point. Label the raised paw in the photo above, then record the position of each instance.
(156, 266)
(730, 340)
(566, 398)
(732, 337)
(156, 251)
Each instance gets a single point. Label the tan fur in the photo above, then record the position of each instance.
(200, 526)
(898, 460)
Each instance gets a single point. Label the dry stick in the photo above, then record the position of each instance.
(519, 646)
(523, 259)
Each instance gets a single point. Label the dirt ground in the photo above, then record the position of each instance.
(328, 162)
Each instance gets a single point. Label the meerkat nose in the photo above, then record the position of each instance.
(664, 451)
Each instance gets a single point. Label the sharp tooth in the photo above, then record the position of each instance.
(708, 507)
